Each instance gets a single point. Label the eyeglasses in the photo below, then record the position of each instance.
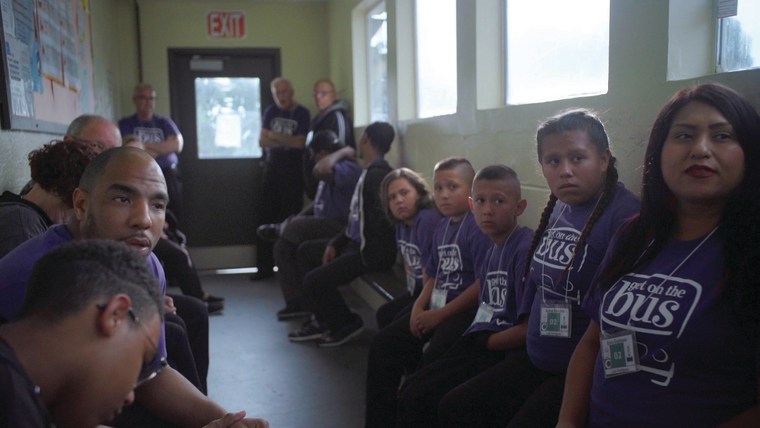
(96, 145)
(150, 375)
(144, 98)
(162, 363)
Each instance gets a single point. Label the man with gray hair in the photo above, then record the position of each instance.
(96, 131)
(284, 126)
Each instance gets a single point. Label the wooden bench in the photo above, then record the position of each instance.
(378, 288)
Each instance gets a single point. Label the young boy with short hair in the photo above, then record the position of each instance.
(303, 237)
(501, 320)
(448, 301)
(367, 244)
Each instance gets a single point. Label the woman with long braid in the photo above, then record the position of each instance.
(586, 207)
(676, 308)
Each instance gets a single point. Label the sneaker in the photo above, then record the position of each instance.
(311, 330)
(342, 335)
(269, 232)
(292, 311)
(214, 307)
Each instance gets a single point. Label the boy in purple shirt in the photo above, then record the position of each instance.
(366, 245)
(586, 206)
(304, 237)
(447, 303)
(501, 321)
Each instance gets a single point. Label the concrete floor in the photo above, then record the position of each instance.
(255, 368)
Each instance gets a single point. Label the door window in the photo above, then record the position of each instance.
(228, 117)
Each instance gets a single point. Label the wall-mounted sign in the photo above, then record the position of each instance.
(225, 24)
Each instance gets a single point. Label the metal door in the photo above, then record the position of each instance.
(217, 96)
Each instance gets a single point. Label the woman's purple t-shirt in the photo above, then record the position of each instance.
(698, 368)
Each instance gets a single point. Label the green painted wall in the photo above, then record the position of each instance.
(299, 30)
(637, 89)
(315, 41)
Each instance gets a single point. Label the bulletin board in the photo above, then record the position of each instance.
(47, 64)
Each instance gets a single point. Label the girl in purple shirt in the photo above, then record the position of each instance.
(586, 206)
(674, 335)
(407, 203)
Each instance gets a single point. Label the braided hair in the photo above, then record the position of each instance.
(575, 120)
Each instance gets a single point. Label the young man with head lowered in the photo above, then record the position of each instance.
(122, 196)
(91, 319)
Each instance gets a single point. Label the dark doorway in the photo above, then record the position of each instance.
(217, 96)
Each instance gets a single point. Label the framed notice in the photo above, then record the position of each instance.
(46, 64)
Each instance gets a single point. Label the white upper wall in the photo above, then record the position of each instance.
(486, 132)
(316, 39)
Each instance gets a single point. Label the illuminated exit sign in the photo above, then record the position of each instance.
(225, 24)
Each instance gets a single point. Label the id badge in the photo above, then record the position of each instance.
(411, 284)
(556, 320)
(438, 299)
(484, 315)
(619, 353)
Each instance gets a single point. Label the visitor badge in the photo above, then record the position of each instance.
(555, 319)
(438, 299)
(619, 353)
(411, 283)
(485, 313)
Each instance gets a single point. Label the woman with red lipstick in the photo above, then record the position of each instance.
(675, 307)
(586, 206)
(407, 203)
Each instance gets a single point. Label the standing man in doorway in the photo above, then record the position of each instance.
(283, 135)
(162, 140)
(332, 115)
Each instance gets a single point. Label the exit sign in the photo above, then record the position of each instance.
(225, 24)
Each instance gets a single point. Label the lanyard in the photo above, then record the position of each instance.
(568, 267)
(501, 255)
(407, 242)
(601, 322)
(456, 239)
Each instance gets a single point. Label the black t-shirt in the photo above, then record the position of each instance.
(20, 403)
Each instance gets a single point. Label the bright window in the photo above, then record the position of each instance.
(377, 62)
(556, 49)
(739, 38)
(436, 37)
(228, 111)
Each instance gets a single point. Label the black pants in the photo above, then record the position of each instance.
(137, 415)
(195, 315)
(179, 268)
(423, 390)
(390, 311)
(513, 393)
(395, 352)
(300, 250)
(178, 353)
(174, 189)
(282, 196)
(321, 287)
